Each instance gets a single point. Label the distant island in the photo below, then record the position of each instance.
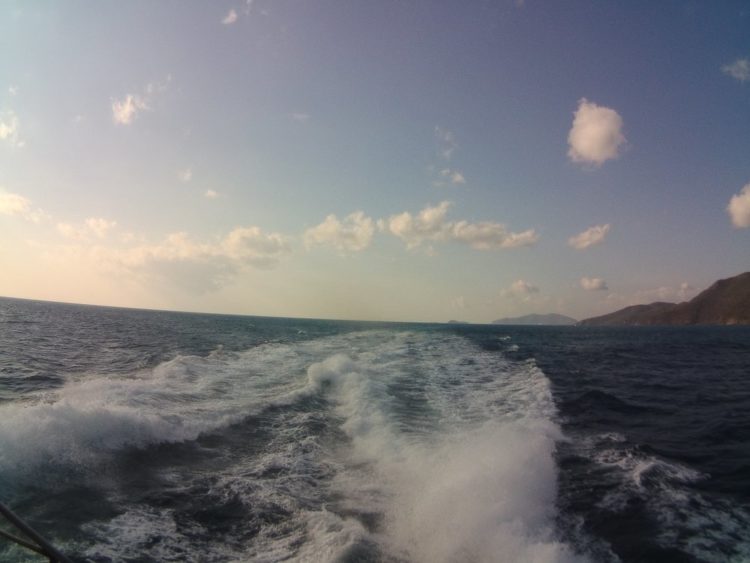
(550, 319)
(726, 302)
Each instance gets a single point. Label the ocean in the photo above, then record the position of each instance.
(131, 435)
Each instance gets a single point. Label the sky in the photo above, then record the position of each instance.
(395, 160)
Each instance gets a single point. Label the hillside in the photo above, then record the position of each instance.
(726, 302)
(550, 319)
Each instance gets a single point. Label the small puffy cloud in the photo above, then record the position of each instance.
(428, 224)
(15, 204)
(124, 111)
(300, 117)
(446, 142)
(250, 246)
(182, 261)
(739, 208)
(230, 18)
(487, 236)
(453, 176)
(589, 237)
(185, 175)
(520, 289)
(70, 231)
(93, 227)
(99, 227)
(596, 135)
(431, 224)
(739, 69)
(9, 130)
(594, 284)
(353, 234)
(179, 260)
(211, 194)
(12, 90)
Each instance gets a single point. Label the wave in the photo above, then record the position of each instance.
(701, 525)
(483, 490)
(380, 444)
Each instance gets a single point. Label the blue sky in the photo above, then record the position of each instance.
(373, 160)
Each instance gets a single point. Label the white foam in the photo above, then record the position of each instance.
(483, 488)
(176, 401)
(484, 495)
(476, 482)
(688, 519)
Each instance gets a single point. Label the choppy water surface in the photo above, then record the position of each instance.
(151, 436)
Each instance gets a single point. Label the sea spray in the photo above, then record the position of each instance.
(468, 493)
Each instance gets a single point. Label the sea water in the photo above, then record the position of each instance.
(130, 435)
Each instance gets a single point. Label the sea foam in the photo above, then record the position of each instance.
(479, 491)
(445, 451)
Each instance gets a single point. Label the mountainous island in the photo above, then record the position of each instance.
(726, 302)
(550, 319)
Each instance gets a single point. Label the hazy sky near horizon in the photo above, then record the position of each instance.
(395, 160)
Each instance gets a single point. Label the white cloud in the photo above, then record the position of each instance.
(453, 176)
(739, 208)
(72, 232)
(739, 69)
(12, 90)
(249, 246)
(430, 224)
(211, 194)
(125, 110)
(230, 18)
(353, 234)
(596, 135)
(181, 261)
(9, 129)
(301, 117)
(589, 237)
(99, 227)
(488, 236)
(15, 204)
(446, 142)
(523, 287)
(520, 289)
(185, 175)
(93, 227)
(594, 284)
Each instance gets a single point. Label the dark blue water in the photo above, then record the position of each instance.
(156, 436)
(657, 461)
